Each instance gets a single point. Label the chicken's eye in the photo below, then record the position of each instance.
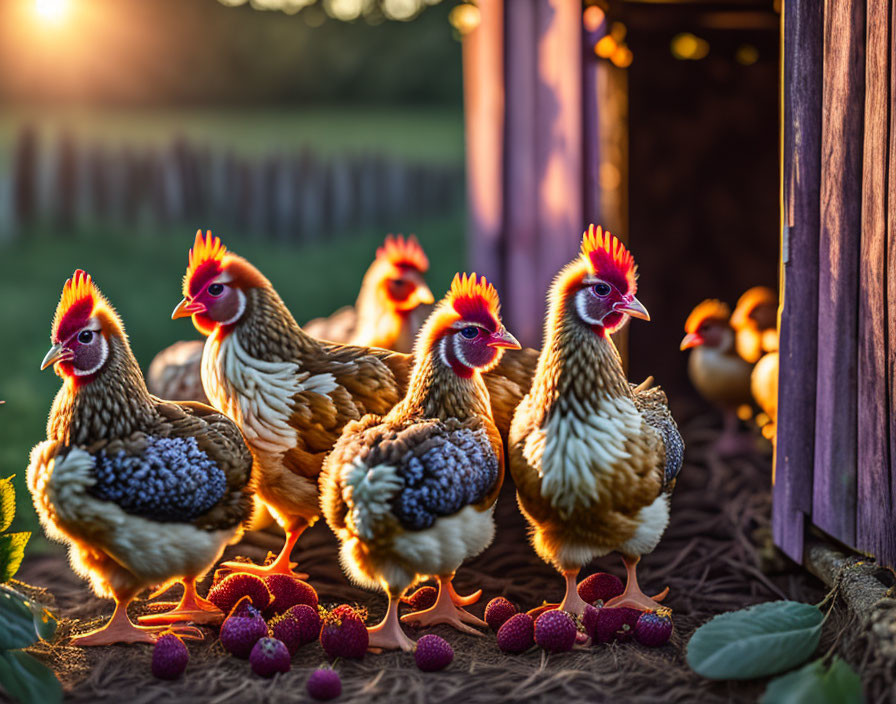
(601, 289)
(85, 337)
(216, 289)
(469, 332)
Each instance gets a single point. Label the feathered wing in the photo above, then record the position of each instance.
(653, 405)
(508, 383)
(338, 327)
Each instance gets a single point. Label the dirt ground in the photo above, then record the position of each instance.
(716, 556)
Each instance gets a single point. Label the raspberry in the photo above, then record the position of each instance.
(343, 633)
(555, 631)
(422, 599)
(611, 624)
(287, 591)
(324, 684)
(269, 656)
(433, 653)
(654, 628)
(517, 634)
(600, 587)
(169, 657)
(498, 611)
(226, 593)
(239, 634)
(296, 626)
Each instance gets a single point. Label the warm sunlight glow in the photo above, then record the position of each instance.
(53, 12)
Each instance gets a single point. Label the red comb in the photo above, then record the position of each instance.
(608, 258)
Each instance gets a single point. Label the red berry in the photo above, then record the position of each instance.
(324, 684)
(269, 656)
(287, 591)
(422, 599)
(239, 634)
(343, 633)
(654, 628)
(555, 631)
(169, 657)
(433, 653)
(226, 593)
(600, 587)
(517, 634)
(611, 624)
(497, 611)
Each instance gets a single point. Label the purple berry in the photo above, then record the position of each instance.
(245, 609)
(422, 599)
(296, 626)
(287, 591)
(517, 634)
(239, 634)
(324, 684)
(610, 624)
(169, 657)
(433, 653)
(555, 631)
(343, 633)
(498, 611)
(269, 656)
(600, 587)
(654, 628)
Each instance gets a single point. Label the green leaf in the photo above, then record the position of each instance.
(23, 620)
(7, 503)
(813, 684)
(12, 550)
(756, 642)
(28, 680)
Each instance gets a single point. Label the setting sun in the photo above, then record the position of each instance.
(51, 11)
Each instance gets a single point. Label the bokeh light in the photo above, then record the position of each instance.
(688, 47)
(746, 55)
(52, 12)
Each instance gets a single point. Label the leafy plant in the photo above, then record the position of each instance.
(816, 684)
(23, 621)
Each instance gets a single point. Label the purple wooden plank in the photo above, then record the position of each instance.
(523, 303)
(801, 174)
(874, 529)
(484, 117)
(834, 491)
(891, 280)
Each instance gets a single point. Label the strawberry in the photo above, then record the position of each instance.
(324, 684)
(611, 624)
(517, 633)
(498, 611)
(433, 653)
(240, 633)
(654, 628)
(422, 599)
(169, 657)
(343, 633)
(600, 587)
(226, 593)
(287, 591)
(296, 626)
(269, 656)
(555, 631)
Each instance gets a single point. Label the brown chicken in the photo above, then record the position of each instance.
(594, 460)
(291, 394)
(755, 323)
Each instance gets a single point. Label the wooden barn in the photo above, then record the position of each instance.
(591, 123)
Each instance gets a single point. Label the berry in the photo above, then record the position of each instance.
(226, 593)
(433, 653)
(517, 634)
(611, 624)
(269, 656)
(169, 657)
(296, 626)
(244, 609)
(343, 633)
(239, 634)
(422, 599)
(600, 587)
(287, 591)
(654, 628)
(498, 611)
(590, 618)
(324, 684)
(555, 631)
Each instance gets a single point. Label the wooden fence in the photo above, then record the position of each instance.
(67, 183)
(835, 458)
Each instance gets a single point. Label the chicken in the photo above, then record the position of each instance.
(718, 372)
(411, 494)
(755, 323)
(144, 492)
(174, 373)
(290, 393)
(764, 386)
(594, 459)
(393, 302)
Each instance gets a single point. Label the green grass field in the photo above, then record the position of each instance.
(141, 275)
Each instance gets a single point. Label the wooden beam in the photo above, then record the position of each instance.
(798, 324)
(834, 491)
(891, 273)
(875, 517)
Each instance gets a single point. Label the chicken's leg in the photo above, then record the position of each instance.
(445, 611)
(191, 607)
(120, 629)
(632, 597)
(387, 635)
(461, 600)
(281, 564)
(571, 603)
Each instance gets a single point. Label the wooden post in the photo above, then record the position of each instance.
(802, 23)
(834, 491)
(891, 279)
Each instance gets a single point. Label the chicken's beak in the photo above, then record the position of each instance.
(692, 339)
(186, 308)
(57, 353)
(634, 308)
(503, 339)
(424, 295)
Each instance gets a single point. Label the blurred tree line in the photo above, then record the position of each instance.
(199, 52)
